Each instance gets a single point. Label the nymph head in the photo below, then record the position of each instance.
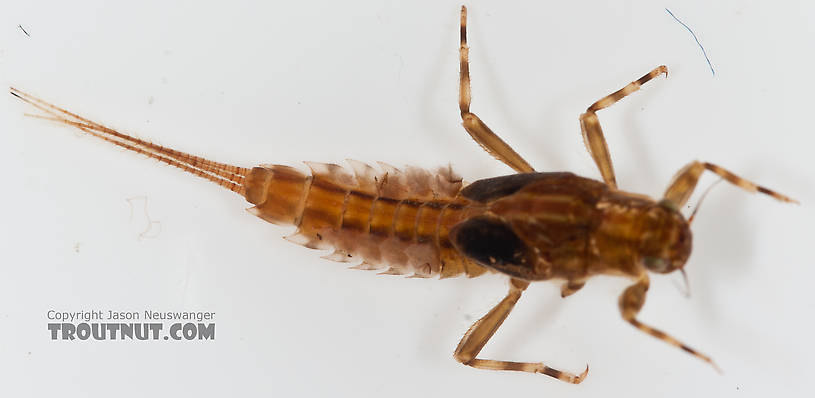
(666, 238)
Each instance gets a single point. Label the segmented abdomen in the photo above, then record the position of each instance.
(383, 219)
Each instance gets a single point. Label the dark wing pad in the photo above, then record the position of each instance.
(498, 187)
(492, 243)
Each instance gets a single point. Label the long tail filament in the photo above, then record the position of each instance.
(228, 176)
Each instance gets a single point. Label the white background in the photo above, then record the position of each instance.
(249, 83)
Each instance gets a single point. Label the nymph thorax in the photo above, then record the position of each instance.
(558, 225)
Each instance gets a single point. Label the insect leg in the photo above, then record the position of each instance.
(632, 300)
(684, 182)
(593, 134)
(479, 131)
(571, 287)
(483, 329)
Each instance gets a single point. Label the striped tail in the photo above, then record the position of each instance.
(228, 176)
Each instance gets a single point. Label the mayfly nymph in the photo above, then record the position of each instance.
(530, 226)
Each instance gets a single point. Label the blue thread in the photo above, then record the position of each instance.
(694, 38)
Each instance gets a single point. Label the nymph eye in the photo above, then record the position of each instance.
(656, 264)
(668, 204)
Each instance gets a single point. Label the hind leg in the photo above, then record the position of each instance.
(482, 330)
(479, 131)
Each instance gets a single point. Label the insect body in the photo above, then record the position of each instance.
(529, 226)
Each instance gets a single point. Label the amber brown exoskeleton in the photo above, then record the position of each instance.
(530, 226)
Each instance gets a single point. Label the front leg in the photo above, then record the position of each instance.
(483, 329)
(632, 300)
(684, 182)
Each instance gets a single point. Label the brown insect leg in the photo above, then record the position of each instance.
(479, 131)
(632, 300)
(571, 287)
(483, 329)
(593, 133)
(684, 182)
